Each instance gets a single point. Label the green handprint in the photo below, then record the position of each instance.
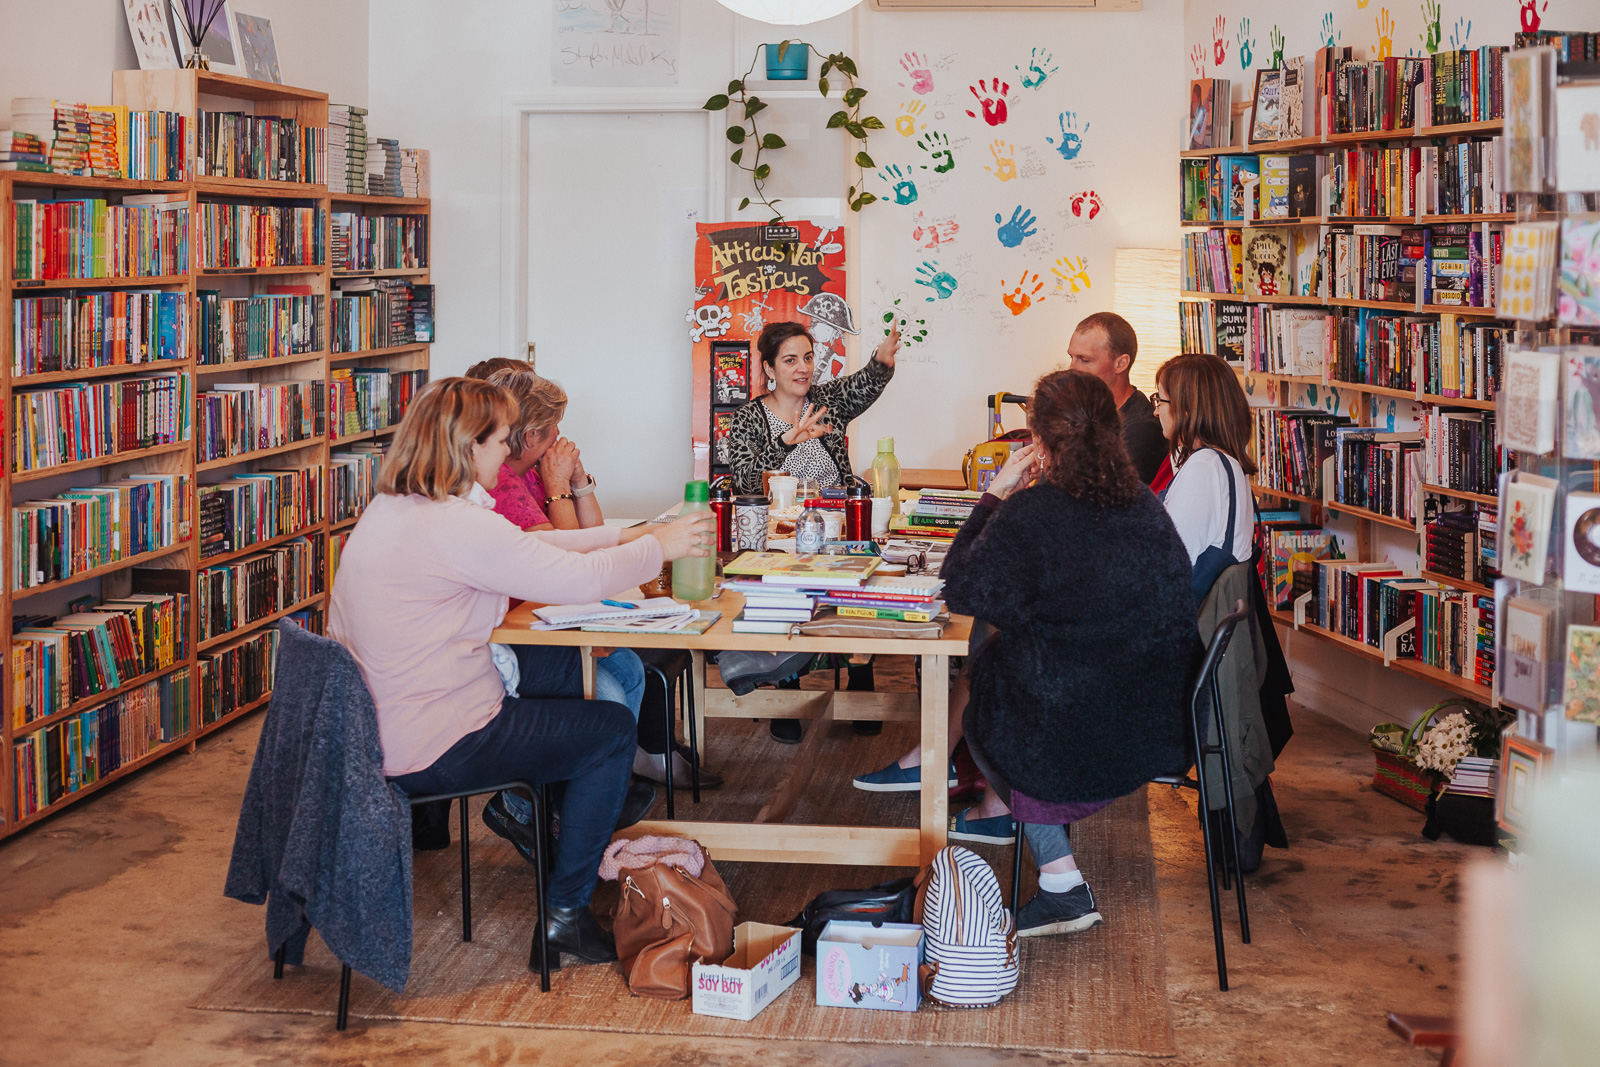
(905, 190)
(1277, 48)
(937, 144)
(1431, 33)
(1246, 44)
(1035, 75)
(942, 282)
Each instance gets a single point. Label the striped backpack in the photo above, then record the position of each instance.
(969, 938)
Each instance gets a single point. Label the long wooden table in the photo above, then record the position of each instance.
(769, 838)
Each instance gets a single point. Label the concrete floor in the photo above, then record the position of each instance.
(112, 920)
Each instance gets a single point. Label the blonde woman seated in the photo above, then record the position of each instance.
(425, 578)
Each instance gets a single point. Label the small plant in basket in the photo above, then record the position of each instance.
(1414, 763)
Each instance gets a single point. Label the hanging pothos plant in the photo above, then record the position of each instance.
(747, 138)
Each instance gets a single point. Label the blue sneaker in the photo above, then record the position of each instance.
(999, 830)
(895, 779)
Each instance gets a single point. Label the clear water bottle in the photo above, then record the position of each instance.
(885, 475)
(694, 576)
(810, 530)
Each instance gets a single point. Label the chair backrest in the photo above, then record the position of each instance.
(1220, 637)
(305, 660)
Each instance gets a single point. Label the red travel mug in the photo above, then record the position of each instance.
(722, 507)
(858, 512)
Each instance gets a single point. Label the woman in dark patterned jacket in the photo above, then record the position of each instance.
(798, 427)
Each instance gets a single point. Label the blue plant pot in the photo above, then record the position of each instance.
(793, 65)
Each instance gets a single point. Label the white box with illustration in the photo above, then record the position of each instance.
(867, 965)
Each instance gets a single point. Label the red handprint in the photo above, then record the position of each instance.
(1197, 60)
(1089, 199)
(1219, 40)
(1532, 11)
(992, 97)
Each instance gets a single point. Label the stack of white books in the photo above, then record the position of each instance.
(1474, 776)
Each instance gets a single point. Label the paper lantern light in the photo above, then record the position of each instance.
(789, 12)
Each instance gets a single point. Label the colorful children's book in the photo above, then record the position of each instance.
(730, 381)
(1235, 170)
(1266, 259)
(805, 571)
(1274, 187)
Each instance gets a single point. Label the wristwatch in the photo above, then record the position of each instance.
(586, 490)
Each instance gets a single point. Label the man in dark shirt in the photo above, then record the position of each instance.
(1104, 344)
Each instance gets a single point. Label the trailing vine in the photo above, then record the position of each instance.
(746, 135)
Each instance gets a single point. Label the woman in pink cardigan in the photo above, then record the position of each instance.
(425, 578)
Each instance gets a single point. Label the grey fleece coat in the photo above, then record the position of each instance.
(323, 839)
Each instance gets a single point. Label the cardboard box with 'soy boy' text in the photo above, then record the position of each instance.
(765, 962)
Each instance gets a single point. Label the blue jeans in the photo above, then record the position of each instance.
(545, 734)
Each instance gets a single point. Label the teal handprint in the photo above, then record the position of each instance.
(1329, 37)
(942, 282)
(1431, 33)
(1036, 73)
(1246, 44)
(1461, 34)
(937, 144)
(1071, 139)
(1011, 233)
(1277, 48)
(905, 189)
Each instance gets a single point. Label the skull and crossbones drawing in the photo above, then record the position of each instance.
(712, 320)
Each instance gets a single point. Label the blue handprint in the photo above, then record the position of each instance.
(942, 282)
(905, 190)
(1071, 142)
(1329, 38)
(1036, 73)
(1020, 226)
(1461, 34)
(1246, 44)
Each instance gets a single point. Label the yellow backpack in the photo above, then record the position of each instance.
(983, 461)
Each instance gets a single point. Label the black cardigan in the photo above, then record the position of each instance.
(1081, 695)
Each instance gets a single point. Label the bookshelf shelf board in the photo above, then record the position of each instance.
(380, 201)
(1375, 390)
(259, 453)
(237, 713)
(1208, 153)
(400, 272)
(344, 524)
(1372, 516)
(1197, 294)
(259, 546)
(1272, 148)
(23, 477)
(1457, 401)
(1457, 583)
(21, 286)
(87, 703)
(364, 435)
(104, 569)
(1412, 309)
(235, 365)
(257, 187)
(1217, 224)
(237, 88)
(1461, 494)
(1443, 220)
(1417, 669)
(291, 268)
(1299, 379)
(22, 381)
(369, 353)
(78, 181)
(265, 620)
(1284, 494)
(88, 790)
(1414, 133)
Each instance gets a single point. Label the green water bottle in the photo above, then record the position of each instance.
(886, 474)
(694, 576)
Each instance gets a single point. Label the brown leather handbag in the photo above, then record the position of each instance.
(667, 920)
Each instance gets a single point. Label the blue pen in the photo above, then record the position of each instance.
(618, 604)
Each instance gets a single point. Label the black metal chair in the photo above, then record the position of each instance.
(1217, 859)
(673, 668)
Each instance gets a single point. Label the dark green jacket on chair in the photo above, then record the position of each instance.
(1239, 678)
(752, 448)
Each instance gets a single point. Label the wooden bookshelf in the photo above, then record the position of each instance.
(182, 91)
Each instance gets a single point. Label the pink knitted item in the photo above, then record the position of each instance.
(625, 853)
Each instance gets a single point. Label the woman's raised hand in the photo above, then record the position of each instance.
(808, 427)
(1022, 466)
(687, 535)
(558, 465)
(888, 347)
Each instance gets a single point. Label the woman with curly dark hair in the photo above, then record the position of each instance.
(1076, 697)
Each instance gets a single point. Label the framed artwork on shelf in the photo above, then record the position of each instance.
(258, 52)
(217, 46)
(1523, 762)
(150, 28)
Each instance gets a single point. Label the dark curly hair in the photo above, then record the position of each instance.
(1074, 418)
(772, 338)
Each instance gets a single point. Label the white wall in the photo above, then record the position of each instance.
(68, 48)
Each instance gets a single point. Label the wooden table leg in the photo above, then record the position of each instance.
(586, 658)
(935, 754)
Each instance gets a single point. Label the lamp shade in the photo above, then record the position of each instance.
(1147, 296)
(789, 12)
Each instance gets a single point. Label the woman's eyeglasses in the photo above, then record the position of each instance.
(1156, 400)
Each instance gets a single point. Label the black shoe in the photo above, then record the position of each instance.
(786, 731)
(1058, 913)
(430, 826)
(501, 821)
(576, 932)
(867, 727)
(640, 799)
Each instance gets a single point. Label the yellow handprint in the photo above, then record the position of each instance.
(906, 123)
(1071, 272)
(1005, 163)
(1385, 23)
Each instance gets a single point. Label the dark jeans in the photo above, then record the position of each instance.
(545, 735)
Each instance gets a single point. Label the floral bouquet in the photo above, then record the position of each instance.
(1412, 764)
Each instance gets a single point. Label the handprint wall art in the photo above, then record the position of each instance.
(940, 281)
(1071, 142)
(992, 103)
(1021, 227)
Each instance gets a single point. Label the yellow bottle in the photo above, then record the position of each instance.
(885, 475)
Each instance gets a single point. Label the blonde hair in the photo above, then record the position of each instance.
(540, 404)
(484, 369)
(432, 451)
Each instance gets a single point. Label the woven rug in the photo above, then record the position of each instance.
(1102, 991)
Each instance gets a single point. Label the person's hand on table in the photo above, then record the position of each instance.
(688, 535)
(1019, 471)
(809, 426)
(557, 467)
(888, 347)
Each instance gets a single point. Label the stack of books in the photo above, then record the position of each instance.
(781, 590)
(414, 179)
(1474, 776)
(936, 513)
(23, 151)
(347, 149)
(383, 167)
(909, 599)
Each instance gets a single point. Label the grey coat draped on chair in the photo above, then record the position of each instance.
(1239, 679)
(323, 838)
